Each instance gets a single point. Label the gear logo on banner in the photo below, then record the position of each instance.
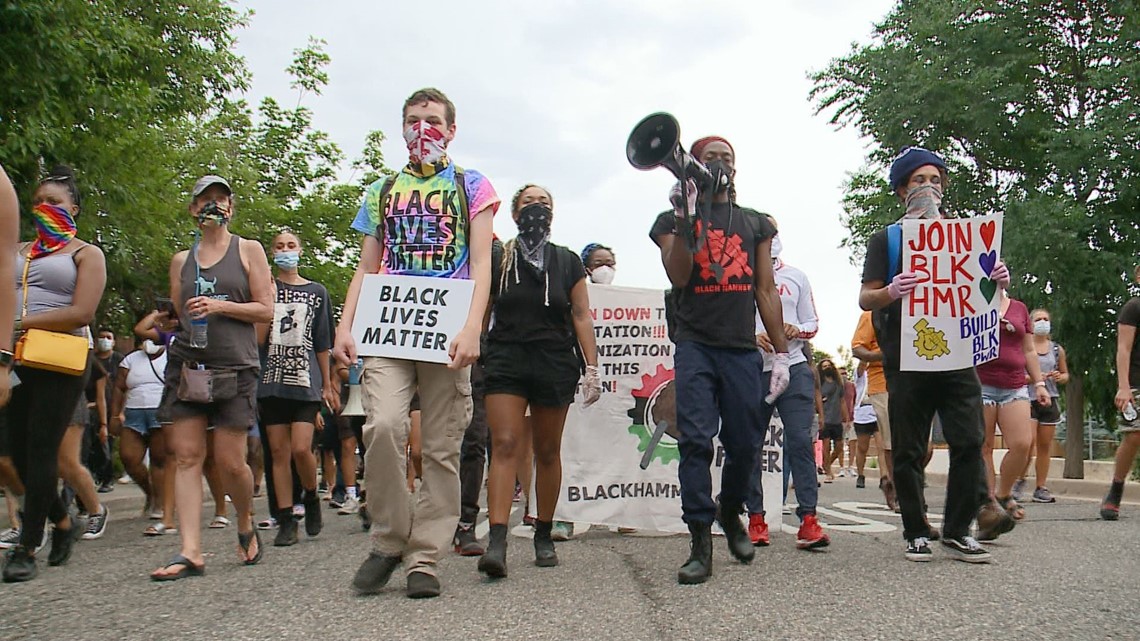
(930, 342)
(654, 417)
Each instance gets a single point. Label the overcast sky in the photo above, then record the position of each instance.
(548, 91)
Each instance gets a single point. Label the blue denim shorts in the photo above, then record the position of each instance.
(142, 421)
(998, 396)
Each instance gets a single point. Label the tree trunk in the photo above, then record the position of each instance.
(1075, 427)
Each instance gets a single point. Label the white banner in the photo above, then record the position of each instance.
(620, 456)
(950, 321)
(410, 317)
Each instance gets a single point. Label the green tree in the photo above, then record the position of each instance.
(1033, 104)
(142, 100)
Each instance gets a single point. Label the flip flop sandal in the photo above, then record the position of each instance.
(243, 542)
(159, 529)
(219, 523)
(188, 569)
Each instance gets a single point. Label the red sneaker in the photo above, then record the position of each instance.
(758, 530)
(811, 536)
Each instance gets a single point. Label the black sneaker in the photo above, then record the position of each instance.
(465, 542)
(861, 481)
(918, 549)
(106, 488)
(62, 541)
(97, 524)
(422, 586)
(966, 548)
(374, 573)
(20, 565)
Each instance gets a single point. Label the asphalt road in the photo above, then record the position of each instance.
(1062, 574)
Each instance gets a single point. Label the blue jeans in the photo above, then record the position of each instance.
(797, 407)
(721, 390)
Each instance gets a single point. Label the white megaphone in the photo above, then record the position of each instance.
(353, 406)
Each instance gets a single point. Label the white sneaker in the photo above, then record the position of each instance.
(124, 479)
(842, 472)
(351, 505)
(298, 512)
(9, 538)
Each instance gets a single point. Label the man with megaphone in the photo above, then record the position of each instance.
(720, 265)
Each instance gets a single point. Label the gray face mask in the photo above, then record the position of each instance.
(924, 202)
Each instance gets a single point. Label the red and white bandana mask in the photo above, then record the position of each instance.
(426, 144)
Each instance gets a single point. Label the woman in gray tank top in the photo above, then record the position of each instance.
(65, 280)
(1055, 369)
(225, 280)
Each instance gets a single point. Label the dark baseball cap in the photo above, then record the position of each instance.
(204, 183)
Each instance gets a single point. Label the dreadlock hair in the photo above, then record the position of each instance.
(63, 175)
(509, 265)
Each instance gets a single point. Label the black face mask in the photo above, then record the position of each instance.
(722, 174)
(534, 223)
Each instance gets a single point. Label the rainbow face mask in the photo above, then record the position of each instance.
(55, 227)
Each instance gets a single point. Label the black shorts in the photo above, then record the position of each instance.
(238, 412)
(1047, 415)
(866, 429)
(286, 411)
(339, 428)
(833, 431)
(544, 377)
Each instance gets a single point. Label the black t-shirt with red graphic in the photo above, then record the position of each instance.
(718, 306)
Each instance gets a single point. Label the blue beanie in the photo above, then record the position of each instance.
(910, 159)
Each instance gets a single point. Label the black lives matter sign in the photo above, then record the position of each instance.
(410, 317)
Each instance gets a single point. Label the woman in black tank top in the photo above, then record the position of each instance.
(65, 281)
(224, 279)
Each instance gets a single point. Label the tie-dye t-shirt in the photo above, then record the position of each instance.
(424, 235)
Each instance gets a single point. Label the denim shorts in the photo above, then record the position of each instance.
(998, 396)
(142, 421)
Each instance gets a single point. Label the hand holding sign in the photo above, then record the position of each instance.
(416, 318)
(464, 350)
(902, 285)
(1000, 274)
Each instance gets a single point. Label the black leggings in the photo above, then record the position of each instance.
(38, 414)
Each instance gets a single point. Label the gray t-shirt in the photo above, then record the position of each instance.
(832, 393)
(302, 322)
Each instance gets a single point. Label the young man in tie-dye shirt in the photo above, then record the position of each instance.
(420, 222)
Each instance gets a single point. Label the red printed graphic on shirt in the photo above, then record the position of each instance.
(722, 260)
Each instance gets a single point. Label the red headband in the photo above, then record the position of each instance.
(699, 146)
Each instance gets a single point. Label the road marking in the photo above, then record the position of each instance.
(848, 511)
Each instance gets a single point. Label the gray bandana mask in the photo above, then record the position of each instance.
(923, 202)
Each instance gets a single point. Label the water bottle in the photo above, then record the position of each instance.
(1129, 412)
(198, 332)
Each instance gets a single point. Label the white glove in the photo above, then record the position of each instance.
(780, 377)
(1000, 275)
(677, 202)
(902, 285)
(592, 386)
